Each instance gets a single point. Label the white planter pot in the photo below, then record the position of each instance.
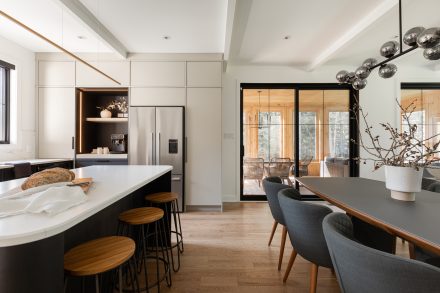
(403, 182)
(106, 114)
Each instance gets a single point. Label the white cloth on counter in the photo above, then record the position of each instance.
(49, 199)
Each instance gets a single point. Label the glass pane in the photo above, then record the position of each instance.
(267, 133)
(307, 135)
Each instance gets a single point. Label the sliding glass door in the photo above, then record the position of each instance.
(291, 132)
(324, 133)
(267, 136)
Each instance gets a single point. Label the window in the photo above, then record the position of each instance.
(307, 135)
(269, 135)
(339, 134)
(5, 69)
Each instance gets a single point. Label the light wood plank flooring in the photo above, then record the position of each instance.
(228, 252)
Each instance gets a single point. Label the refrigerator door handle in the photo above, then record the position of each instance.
(152, 149)
(186, 149)
(175, 179)
(158, 152)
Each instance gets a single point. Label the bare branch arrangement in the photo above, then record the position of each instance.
(405, 149)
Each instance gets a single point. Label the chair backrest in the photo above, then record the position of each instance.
(434, 187)
(306, 161)
(304, 224)
(271, 186)
(253, 168)
(280, 167)
(362, 269)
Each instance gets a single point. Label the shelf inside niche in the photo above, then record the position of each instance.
(106, 120)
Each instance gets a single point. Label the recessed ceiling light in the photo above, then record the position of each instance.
(166, 37)
(82, 37)
(286, 37)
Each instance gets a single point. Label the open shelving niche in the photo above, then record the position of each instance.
(93, 131)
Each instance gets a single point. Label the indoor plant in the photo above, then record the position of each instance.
(405, 155)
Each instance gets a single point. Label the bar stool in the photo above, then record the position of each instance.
(98, 256)
(133, 223)
(163, 199)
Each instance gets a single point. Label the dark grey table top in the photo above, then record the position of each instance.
(369, 200)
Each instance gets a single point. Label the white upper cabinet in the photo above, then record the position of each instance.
(56, 73)
(157, 74)
(56, 122)
(204, 74)
(87, 77)
(157, 96)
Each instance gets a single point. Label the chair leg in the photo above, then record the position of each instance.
(283, 243)
(274, 228)
(313, 278)
(289, 266)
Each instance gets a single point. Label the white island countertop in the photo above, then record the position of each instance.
(111, 183)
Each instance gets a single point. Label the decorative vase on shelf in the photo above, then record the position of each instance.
(403, 182)
(106, 114)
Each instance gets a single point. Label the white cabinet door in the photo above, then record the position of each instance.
(56, 73)
(56, 122)
(87, 77)
(157, 96)
(203, 130)
(204, 74)
(157, 74)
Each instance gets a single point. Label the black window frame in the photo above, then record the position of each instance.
(7, 67)
(297, 87)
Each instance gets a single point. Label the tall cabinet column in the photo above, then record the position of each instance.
(204, 130)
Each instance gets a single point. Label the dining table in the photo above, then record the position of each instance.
(417, 221)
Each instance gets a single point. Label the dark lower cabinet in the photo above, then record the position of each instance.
(93, 162)
(8, 173)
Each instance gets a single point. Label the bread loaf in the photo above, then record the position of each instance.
(48, 176)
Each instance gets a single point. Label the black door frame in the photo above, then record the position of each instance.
(354, 133)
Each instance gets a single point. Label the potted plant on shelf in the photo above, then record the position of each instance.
(105, 111)
(120, 104)
(404, 156)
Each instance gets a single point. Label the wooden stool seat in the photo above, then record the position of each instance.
(162, 197)
(98, 256)
(141, 216)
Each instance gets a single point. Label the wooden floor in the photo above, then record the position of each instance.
(228, 252)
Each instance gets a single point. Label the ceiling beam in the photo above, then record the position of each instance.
(352, 33)
(238, 22)
(229, 27)
(84, 15)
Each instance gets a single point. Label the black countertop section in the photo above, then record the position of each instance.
(370, 198)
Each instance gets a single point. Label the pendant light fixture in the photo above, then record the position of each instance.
(416, 37)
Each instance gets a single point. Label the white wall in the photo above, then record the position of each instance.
(22, 102)
(378, 99)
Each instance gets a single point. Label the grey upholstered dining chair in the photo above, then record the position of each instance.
(271, 186)
(304, 223)
(362, 269)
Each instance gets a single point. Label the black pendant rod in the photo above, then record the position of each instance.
(401, 53)
(400, 27)
(394, 57)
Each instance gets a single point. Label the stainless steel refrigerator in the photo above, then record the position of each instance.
(156, 137)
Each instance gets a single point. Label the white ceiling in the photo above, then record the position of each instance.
(414, 13)
(193, 26)
(315, 26)
(311, 26)
(199, 26)
(52, 21)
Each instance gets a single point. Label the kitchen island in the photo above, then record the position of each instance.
(32, 246)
